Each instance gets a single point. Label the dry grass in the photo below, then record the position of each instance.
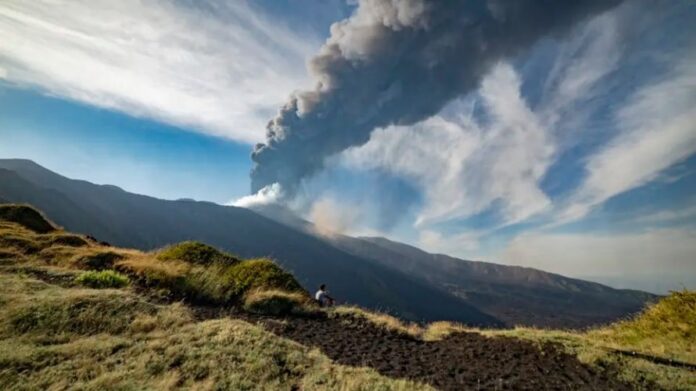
(434, 331)
(382, 320)
(278, 302)
(102, 279)
(195, 252)
(61, 338)
(216, 283)
(440, 330)
(666, 329)
(136, 345)
(189, 270)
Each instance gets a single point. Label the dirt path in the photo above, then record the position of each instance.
(465, 361)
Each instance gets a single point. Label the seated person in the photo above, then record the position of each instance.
(323, 298)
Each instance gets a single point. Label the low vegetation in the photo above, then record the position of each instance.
(278, 302)
(102, 279)
(57, 331)
(665, 329)
(195, 252)
(382, 320)
(74, 338)
(219, 282)
(189, 270)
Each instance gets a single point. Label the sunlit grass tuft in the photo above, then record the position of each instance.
(102, 279)
(385, 321)
(278, 302)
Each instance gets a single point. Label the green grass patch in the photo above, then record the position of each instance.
(102, 279)
(195, 252)
(215, 283)
(666, 328)
(76, 312)
(277, 302)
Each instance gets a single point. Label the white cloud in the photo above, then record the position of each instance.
(666, 254)
(219, 68)
(463, 167)
(666, 216)
(589, 56)
(657, 129)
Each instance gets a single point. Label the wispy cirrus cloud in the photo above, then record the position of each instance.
(218, 68)
(656, 129)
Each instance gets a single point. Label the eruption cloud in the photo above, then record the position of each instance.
(396, 63)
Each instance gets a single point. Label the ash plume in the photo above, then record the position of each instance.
(399, 62)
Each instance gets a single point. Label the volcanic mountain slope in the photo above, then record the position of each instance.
(371, 272)
(78, 314)
(516, 295)
(136, 221)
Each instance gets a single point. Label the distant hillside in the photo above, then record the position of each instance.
(516, 295)
(130, 220)
(372, 272)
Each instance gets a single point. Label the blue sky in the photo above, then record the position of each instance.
(576, 157)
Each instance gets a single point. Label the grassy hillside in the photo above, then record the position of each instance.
(513, 294)
(75, 314)
(78, 314)
(77, 338)
(136, 221)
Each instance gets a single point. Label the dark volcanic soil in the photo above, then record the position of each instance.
(464, 361)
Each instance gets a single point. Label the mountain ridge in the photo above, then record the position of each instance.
(137, 221)
(376, 277)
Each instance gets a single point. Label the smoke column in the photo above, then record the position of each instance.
(399, 62)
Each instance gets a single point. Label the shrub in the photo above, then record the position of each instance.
(224, 284)
(102, 279)
(27, 217)
(261, 273)
(195, 252)
(276, 302)
(216, 283)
